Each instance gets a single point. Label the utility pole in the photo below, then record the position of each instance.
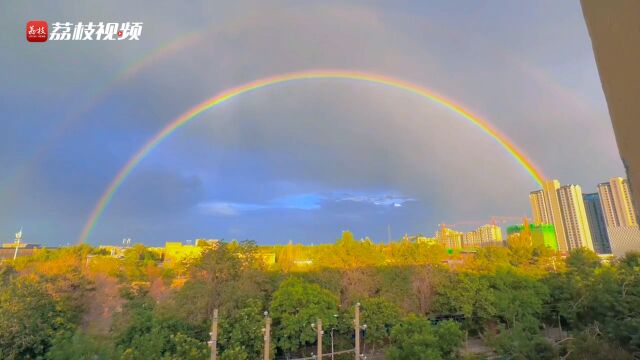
(267, 335)
(214, 335)
(320, 332)
(356, 328)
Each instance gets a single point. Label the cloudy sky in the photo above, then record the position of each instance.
(299, 161)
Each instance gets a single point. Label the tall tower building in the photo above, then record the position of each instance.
(539, 209)
(597, 225)
(574, 217)
(545, 207)
(616, 203)
(619, 216)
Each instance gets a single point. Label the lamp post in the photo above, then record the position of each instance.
(364, 345)
(333, 328)
(356, 323)
(267, 336)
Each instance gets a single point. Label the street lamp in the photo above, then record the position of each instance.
(333, 328)
(364, 344)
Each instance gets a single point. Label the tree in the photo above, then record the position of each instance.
(187, 348)
(348, 253)
(234, 353)
(141, 333)
(589, 345)
(138, 262)
(30, 320)
(415, 338)
(295, 306)
(242, 330)
(380, 317)
(81, 347)
(582, 262)
(519, 343)
(519, 299)
(469, 295)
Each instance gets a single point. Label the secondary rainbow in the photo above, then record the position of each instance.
(225, 95)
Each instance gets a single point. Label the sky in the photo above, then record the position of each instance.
(301, 161)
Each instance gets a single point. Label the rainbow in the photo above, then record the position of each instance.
(223, 96)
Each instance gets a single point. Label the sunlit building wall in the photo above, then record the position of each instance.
(574, 217)
(619, 216)
(545, 208)
(489, 234)
(624, 239)
(472, 239)
(539, 209)
(451, 239)
(613, 28)
(616, 202)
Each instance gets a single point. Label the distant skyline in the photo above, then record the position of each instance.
(300, 162)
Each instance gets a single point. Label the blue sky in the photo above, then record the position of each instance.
(304, 161)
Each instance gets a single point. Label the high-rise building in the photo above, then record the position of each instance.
(619, 216)
(539, 209)
(488, 234)
(562, 207)
(545, 207)
(595, 217)
(616, 203)
(574, 217)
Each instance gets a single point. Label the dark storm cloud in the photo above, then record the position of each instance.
(528, 69)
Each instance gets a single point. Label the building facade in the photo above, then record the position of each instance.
(485, 235)
(539, 208)
(574, 217)
(451, 239)
(597, 225)
(562, 207)
(613, 28)
(624, 239)
(619, 216)
(616, 203)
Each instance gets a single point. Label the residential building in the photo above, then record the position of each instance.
(450, 238)
(545, 208)
(617, 206)
(539, 208)
(595, 217)
(488, 234)
(619, 216)
(624, 239)
(574, 217)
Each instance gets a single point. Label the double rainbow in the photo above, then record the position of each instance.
(223, 96)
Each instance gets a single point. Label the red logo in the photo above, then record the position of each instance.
(37, 31)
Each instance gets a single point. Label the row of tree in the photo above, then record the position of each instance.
(519, 303)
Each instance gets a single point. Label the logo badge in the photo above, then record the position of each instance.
(37, 31)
